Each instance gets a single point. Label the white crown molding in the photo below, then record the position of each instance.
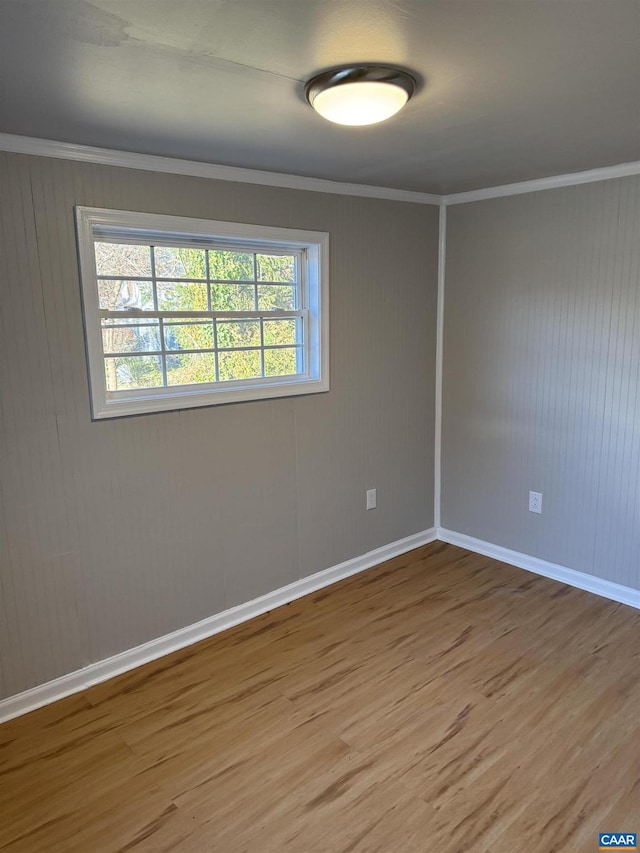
(606, 173)
(103, 670)
(571, 577)
(12, 143)
(170, 165)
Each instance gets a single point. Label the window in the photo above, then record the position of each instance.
(190, 312)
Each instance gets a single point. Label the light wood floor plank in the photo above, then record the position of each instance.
(440, 701)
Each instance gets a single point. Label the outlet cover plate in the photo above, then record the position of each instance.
(535, 501)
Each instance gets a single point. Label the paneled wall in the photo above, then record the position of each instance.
(116, 532)
(542, 373)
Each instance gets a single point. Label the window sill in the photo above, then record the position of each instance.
(191, 397)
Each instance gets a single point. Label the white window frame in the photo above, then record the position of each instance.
(312, 247)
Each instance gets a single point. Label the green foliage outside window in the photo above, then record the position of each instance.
(240, 281)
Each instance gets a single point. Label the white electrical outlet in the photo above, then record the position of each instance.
(371, 498)
(535, 501)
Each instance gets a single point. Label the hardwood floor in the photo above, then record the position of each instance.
(439, 702)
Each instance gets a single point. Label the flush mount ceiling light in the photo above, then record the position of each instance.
(360, 94)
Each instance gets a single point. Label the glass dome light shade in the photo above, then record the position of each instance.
(361, 94)
(360, 103)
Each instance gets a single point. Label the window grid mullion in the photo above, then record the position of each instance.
(141, 315)
(172, 280)
(207, 273)
(194, 351)
(214, 322)
(262, 346)
(178, 279)
(215, 350)
(305, 338)
(154, 286)
(255, 282)
(163, 355)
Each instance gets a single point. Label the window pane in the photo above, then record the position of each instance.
(276, 296)
(173, 296)
(130, 372)
(121, 295)
(191, 369)
(231, 266)
(232, 297)
(280, 332)
(138, 338)
(123, 260)
(195, 335)
(239, 365)
(276, 267)
(174, 262)
(281, 362)
(238, 333)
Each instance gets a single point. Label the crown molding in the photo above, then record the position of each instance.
(15, 144)
(170, 165)
(606, 173)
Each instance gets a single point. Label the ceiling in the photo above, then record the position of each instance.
(512, 89)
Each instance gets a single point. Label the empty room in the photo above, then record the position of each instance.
(319, 426)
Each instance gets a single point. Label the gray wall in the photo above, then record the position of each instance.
(116, 532)
(541, 375)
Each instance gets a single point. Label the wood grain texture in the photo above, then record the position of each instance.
(440, 701)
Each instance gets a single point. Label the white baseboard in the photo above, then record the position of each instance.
(581, 580)
(103, 670)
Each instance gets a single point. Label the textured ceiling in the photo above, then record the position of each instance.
(513, 89)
